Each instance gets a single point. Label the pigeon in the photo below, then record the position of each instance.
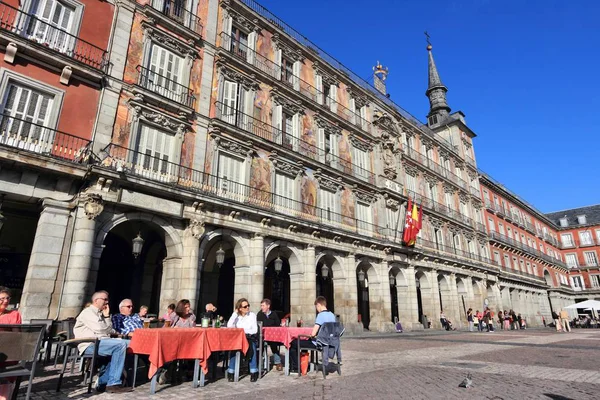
(467, 382)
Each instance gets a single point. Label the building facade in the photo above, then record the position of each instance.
(227, 156)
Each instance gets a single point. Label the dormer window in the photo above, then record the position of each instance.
(581, 219)
(564, 222)
(433, 120)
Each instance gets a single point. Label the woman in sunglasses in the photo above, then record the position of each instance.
(243, 318)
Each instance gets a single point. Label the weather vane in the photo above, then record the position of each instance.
(429, 47)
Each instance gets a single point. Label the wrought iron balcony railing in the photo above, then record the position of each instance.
(521, 273)
(440, 208)
(269, 67)
(177, 11)
(453, 252)
(28, 136)
(143, 165)
(32, 28)
(165, 87)
(530, 250)
(436, 167)
(273, 134)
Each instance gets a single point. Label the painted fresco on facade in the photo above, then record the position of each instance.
(260, 179)
(195, 79)
(264, 45)
(342, 99)
(214, 95)
(136, 50)
(308, 135)
(345, 153)
(187, 149)
(308, 193)
(202, 13)
(347, 207)
(307, 76)
(210, 154)
(263, 104)
(122, 128)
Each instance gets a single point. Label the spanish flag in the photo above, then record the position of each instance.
(416, 225)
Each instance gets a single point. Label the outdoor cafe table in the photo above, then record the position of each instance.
(285, 335)
(164, 345)
(221, 339)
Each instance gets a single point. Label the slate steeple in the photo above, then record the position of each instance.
(436, 92)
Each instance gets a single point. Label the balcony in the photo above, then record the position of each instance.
(242, 52)
(27, 136)
(133, 163)
(523, 247)
(441, 208)
(165, 87)
(455, 254)
(475, 192)
(480, 227)
(175, 10)
(275, 135)
(564, 246)
(509, 270)
(423, 160)
(50, 37)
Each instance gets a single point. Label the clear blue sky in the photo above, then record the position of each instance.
(525, 73)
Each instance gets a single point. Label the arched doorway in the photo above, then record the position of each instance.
(394, 276)
(217, 277)
(478, 297)
(548, 278)
(277, 285)
(138, 276)
(461, 288)
(364, 309)
(324, 275)
(423, 289)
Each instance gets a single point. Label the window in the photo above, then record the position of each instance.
(55, 21)
(231, 174)
(288, 71)
(501, 228)
(590, 258)
(449, 200)
(571, 260)
(328, 202)
(433, 192)
(595, 280)
(239, 42)
(154, 151)
(363, 117)
(585, 238)
(497, 259)
(515, 263)
(439, 238)
(363, 217)
(598, 236)
(361, 163)
(289, 124)
(411, 183)
(473, 249)
(522, 266)
(491, 225)
(577, 282)
(285, 191)
(393, 222)
(456, 240)
(230, 102)
(506, 261)
(328, 146)
(464, 209)
(581, 219)
(528, 267)
(28, 112)
(163, 74)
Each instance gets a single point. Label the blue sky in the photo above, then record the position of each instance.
(525, 73)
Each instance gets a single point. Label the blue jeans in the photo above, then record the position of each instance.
(115, 349)
(253, 365)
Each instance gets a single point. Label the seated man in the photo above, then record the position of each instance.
(323, 317)
(269, 318)
(94, 321)
(125, 323)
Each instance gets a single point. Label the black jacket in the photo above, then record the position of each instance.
(271, 320)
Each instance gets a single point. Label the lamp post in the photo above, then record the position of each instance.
(324, 271)
(137, 245)
(392, 280)
(220, 256)
(278, 265)
(361, 277)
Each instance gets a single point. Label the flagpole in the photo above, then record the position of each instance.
(397, 223)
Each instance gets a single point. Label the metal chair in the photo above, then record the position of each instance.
(21, 345)
(328, 344)
(65, 332)
(47, 342)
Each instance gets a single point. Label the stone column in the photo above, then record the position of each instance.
(408, 308)
(458, 316)
(190, 272)
(308, 281)
(434, 312)
(45, 260)
(80, 281)
(171, 279)
(349, 296)
(241, 285)
(256, 278)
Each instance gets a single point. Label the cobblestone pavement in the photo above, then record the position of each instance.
(533, 364)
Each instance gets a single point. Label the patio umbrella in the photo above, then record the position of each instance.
(593, 304)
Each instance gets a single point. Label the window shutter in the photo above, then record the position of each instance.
(296, 69)
(229, 101)
(278, 56)
(227, 27)
(296, 130)
(277, 123)
(333, 95)
(334, 145)
(319, 84)
(321, 144)
(352, 106)
(250, 55)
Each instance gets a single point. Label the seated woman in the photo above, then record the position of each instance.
(184, 317)
(7, 317)
(170, 313)
(243, 318)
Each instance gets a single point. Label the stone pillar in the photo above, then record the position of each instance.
(256, 278)
(408, 307)
(458, 317)
(45, 260)
(497, 298)
(190, 269)
(348, 296)
(242, 279)
(308, 280)
(434, 310)
(80, 281)
(171, 279)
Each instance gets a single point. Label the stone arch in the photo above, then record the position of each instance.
(548, 278)
(337, 268)
(239, 242)
(369, 269)
(478, 294)
(173, 241)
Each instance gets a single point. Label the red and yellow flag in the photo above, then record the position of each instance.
(416, 223)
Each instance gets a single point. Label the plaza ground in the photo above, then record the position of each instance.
(532, 364)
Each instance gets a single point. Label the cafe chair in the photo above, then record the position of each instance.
(46, 346)
(65, 332)
(21, 345)
(327, 344)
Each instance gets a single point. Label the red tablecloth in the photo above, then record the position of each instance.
(164, 345)
(285, 335)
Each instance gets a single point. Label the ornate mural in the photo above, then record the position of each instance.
(260, 178)
(308, 193)
(345, 151)
(136, 49)
(347, 206)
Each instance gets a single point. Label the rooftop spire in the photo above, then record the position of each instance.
(436, 92)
